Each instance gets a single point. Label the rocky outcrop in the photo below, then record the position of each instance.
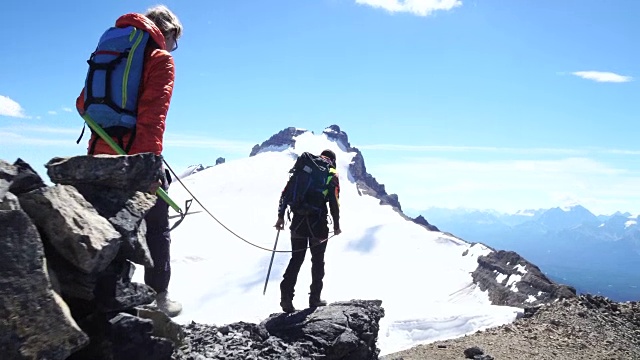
(66, 260)
(341, 330)
(129, 173)
(420, 220)
(282, 139)
(73, 227)
(35, 323)
(584, 327)
(25, 179)
(513, 281)
(367, 184)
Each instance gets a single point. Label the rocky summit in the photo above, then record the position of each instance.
(341, 330)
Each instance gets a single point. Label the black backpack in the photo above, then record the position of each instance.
(305, 191)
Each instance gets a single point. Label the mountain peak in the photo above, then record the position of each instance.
(573, 207)
(367, 184)
(558, 218)
(281, 140)
(286, 138)
(334, 133)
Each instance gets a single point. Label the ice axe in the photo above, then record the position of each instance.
(273, 253)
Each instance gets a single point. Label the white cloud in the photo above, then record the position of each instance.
(51, 112)
(416, 7)
(67, 109)
(603, 76)
(9, 107)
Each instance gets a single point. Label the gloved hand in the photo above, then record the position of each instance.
(336, 231)
(279, 224)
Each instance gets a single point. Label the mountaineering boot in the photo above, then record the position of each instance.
(287, 305)
(315, 301)
(167, 306)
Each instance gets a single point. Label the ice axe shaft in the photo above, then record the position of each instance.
(273, 253)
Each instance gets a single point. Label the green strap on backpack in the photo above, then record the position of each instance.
(98, 130)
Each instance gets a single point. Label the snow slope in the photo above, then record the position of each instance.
(422, 277)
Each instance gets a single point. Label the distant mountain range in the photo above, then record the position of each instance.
(598, 254)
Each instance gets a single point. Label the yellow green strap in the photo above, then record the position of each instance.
(98, 130)
(125, 77)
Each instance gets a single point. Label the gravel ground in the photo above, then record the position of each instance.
(585, 327)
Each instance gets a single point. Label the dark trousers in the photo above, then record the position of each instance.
(158, 241)
(303, 230)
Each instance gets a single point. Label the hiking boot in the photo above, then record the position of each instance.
(287, 305)
(167, 306)
(315, 302)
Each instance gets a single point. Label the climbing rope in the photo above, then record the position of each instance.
(231, 231)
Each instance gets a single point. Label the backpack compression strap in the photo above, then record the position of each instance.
(108, 69)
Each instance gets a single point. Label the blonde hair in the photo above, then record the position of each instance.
(165, 20)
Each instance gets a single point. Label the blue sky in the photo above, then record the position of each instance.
(484, 104)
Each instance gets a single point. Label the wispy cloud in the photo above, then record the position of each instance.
(62, 109)
(510, 185)
(9, 107)
(11, 138)
(603, 76)
(51, 112)
(460, 149)
(201, 142)
(40, 129)
(416, 7)
(42, 135)
(498, 150)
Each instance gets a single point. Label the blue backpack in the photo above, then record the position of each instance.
(113, 80)
(307, 188)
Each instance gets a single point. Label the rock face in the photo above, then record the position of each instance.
(66, 260)
(282, 139)
(341, 330)
(35, 322)
(513, 281)
(73, 227)
(422, 221)
(367, 184)
(131, 173)
(25, 179)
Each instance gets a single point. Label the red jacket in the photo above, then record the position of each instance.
(154, 95)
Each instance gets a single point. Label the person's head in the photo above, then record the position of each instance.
(168, 24)
(330, 154)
